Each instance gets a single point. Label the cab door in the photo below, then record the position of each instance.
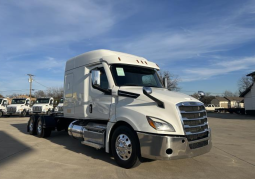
(100, 97)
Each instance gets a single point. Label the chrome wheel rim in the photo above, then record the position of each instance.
(123, 147)
(39, 127)
(31, 126)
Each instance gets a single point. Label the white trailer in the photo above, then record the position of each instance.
(19, 107)
(3, 106)
(43, 106)
(116, 101)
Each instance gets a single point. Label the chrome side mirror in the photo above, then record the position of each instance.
(147, 90)
(96, 77)
(165, 82)
(201, 94)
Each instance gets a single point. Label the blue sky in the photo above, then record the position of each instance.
(210, 45)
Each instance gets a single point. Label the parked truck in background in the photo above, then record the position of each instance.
(117, 101)
(212, 108)
(18, 107)
(58, 110)
(43, 106)
(3, 106)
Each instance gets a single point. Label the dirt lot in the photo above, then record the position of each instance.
(60, 156)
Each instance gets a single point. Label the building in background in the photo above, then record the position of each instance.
(249, 97)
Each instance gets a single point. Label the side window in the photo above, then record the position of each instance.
(69, 85)
(103, 79)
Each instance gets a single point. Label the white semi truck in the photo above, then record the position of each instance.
(43, 106)
(19, 107)
(58, 110)
(117, 101)
(3, 106)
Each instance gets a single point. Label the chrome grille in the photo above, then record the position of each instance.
(60, 108)
(11, 109)
(195, 123)
(198, 144)
(37, 109)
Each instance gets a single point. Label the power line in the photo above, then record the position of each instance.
(41, 84)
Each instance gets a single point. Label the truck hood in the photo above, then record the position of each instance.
(40, 105)
(162, 94)
(143, 106)
(16, 105)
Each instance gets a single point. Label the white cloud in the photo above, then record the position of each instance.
(219, 68)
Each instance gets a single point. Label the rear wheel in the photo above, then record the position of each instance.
(125, 147)
(42, 132)
(32, 126)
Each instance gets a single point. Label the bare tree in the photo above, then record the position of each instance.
(56, 92)
(229, 94)
(1, 96)
(244, 83)
(206, 99)
(39, 94)
(172, 80)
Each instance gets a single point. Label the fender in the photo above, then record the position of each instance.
(48, 121)
(110, 126)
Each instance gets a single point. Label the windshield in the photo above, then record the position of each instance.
(1, 101)
(61, 100)
(18, 101)
(45, 101)
(125, 75)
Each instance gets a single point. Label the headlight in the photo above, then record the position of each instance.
(159, 124)
(56, 109)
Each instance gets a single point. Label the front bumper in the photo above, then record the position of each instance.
(13, 113)
(155, 146)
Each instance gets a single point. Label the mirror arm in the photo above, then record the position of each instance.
(105, 91)
(160, 103)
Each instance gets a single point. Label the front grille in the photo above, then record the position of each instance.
(11, 109)
(195, 123)
(37, 109)
(198, 144)
(193, 137)
(60, 108)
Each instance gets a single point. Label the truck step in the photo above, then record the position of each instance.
(91, 144)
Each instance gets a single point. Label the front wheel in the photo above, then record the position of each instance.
(42, 132)
(125, 147)
(1, 114)
(23, 113)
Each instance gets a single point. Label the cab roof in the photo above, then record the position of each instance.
(111, 57)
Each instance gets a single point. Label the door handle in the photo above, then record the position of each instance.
(90, 108)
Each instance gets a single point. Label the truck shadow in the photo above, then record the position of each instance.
(62, 138)
(11, 148)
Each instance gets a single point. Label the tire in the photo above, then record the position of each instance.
(48, 113)
(42, 132)
(1, 114)
(32, 126)
(23, 113)
(125, 147)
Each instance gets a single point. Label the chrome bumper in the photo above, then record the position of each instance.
(155, 146)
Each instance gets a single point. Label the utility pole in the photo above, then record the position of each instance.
(30, 80)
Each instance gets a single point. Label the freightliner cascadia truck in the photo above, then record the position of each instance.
(116, 101)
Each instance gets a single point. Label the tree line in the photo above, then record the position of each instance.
(172, 84)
